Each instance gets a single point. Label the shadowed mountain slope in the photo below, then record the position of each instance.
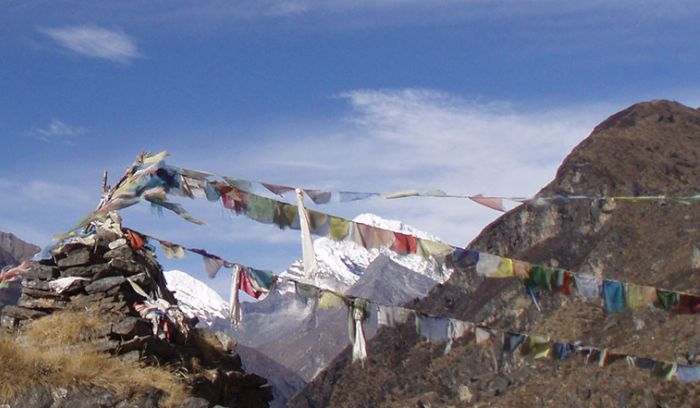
(649, 148)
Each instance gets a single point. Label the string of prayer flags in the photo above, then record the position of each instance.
(321, 196)
(151, 179)
(535, 276)
(288, 216)
(443, 329)
(447, 330)
(212, 263)
(617, 296)
(254, 282)
(172, 251)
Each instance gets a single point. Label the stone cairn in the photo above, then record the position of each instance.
(107, 271)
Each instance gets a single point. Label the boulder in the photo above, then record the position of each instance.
(104, 284)
(77, 257)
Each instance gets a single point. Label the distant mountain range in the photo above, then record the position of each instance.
(283, 337)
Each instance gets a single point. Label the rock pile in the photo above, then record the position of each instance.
(114, 275)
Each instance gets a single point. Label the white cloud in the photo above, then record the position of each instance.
(35, 209)
(95, 42)
(55, 130)
(393, 140)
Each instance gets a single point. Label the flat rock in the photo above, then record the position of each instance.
(77, 257)
(42, 303)
(41, 272)
(130, 267)
(131, 326)
(83, 300)
(89, 271)
(123, 252)
(106, 235)
(40, 294)
(117, 243)
(35, 284)
(104, 284)
(22, 313)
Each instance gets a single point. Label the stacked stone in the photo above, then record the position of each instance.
(105, 262)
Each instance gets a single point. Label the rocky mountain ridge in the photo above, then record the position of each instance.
(13, 250)
(650, 148)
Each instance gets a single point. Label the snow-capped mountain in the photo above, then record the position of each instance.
(198, 299)
(290, 330)
(340, 264)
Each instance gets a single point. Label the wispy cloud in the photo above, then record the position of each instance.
(38, 192)
(391, 140)
(56, 130)
(35, 209)
(95, 42)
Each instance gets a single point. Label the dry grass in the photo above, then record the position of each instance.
(56, 351)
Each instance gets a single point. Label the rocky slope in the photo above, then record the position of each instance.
(13, 250)
(649, 148)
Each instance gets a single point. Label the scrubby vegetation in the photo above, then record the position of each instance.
(56, 350)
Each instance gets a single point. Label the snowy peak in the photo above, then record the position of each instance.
(340, 264)
(393, 225)
(198, 299)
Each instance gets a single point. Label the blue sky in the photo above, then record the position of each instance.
(468, 96)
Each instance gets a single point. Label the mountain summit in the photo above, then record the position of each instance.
(648, 149)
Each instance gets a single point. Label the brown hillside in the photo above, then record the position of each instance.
(649, 148)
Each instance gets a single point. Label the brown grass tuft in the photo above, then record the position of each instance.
(56, 351)
(64, 329)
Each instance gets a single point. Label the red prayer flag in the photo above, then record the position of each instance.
(491, 202)
(404, 244)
